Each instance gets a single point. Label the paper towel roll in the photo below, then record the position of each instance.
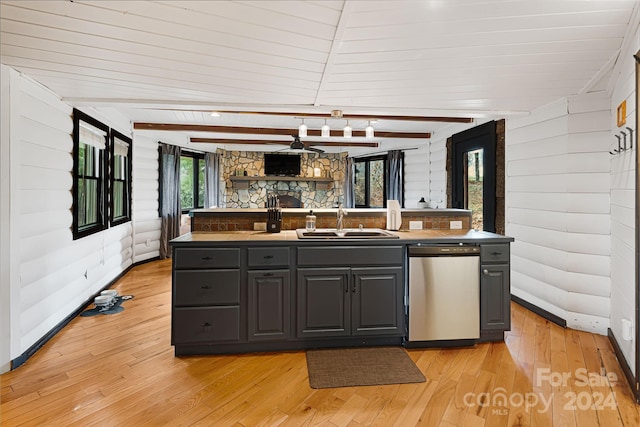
(394, 220)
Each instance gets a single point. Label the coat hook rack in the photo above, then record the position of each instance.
(622, 142)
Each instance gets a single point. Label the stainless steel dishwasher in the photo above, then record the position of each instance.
(444, 293)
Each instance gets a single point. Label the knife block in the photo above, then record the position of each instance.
(273, 226)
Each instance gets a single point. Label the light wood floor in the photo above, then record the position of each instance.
(119, 370)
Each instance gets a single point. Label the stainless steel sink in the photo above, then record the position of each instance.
(350, 233)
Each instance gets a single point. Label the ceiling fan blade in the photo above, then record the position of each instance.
(342, 144)
(316, 150)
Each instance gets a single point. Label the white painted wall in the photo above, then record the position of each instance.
(49, 274)
(416, 176)
(146, 222)
(9, 302)
(438, 172)
(557, 209)
(623, 198)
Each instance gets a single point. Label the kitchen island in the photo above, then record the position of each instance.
(245, 291)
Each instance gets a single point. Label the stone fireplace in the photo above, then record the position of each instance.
(247, 187)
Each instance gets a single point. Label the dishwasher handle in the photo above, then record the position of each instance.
(443, 250)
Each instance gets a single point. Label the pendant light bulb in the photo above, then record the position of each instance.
(347, 130)
(325, 132)
(302, 130)
(368, 131)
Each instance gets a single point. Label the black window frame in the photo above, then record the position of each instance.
(102, 222)
(367, 162)
(113, 220)
(196, 157)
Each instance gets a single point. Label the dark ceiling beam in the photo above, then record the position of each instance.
(439, 119)
(268, 131)
(236, 141)
(268, 141)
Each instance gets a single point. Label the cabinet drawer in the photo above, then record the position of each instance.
(206, 287)
(191, 325)
(268, 257)
(494, 253)
(206, 258)
(350, 255)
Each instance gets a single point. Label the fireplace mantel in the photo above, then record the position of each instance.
(242, 182)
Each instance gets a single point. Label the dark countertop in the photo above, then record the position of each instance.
(328, 211)
(289, 237)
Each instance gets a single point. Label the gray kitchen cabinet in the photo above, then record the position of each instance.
(269, 293)
(342, 301)
(269, 311)
(495, 291)
(246, 296)
(323, 302)
(376, 301)
(206, 296)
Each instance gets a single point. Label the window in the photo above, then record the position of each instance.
(89, 158)
(120, 178)
(191, 181)
(473, 174)
(370, 182)
(101, 176)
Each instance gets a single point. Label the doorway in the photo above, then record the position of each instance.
(473, 174)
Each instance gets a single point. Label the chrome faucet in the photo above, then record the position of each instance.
(341, 214)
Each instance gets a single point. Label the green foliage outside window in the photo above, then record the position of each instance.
(191, 182)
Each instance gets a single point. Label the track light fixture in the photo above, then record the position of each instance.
(325, 130)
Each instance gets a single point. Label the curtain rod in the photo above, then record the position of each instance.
(382, 152)
(189, 149)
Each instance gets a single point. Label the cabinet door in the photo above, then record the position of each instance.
(377, 301)
(269, 305)
(495, 296)
(323, 302)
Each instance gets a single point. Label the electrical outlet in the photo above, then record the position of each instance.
(455, 225)
(260, 226)
(415, 225)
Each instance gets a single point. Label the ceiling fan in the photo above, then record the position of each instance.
(296, 144)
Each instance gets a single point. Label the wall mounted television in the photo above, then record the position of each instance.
(281, 164)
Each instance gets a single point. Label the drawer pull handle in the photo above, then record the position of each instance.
(206, 258)
(268, 256)
(495, 253)
(206, 324)
(268, 274)
(485, 271)
(205, 287)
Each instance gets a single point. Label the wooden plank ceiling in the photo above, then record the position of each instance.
(172, 62)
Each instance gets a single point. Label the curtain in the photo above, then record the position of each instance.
(349, 185)
(395, 176)
(211, 180)
(170, 211)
